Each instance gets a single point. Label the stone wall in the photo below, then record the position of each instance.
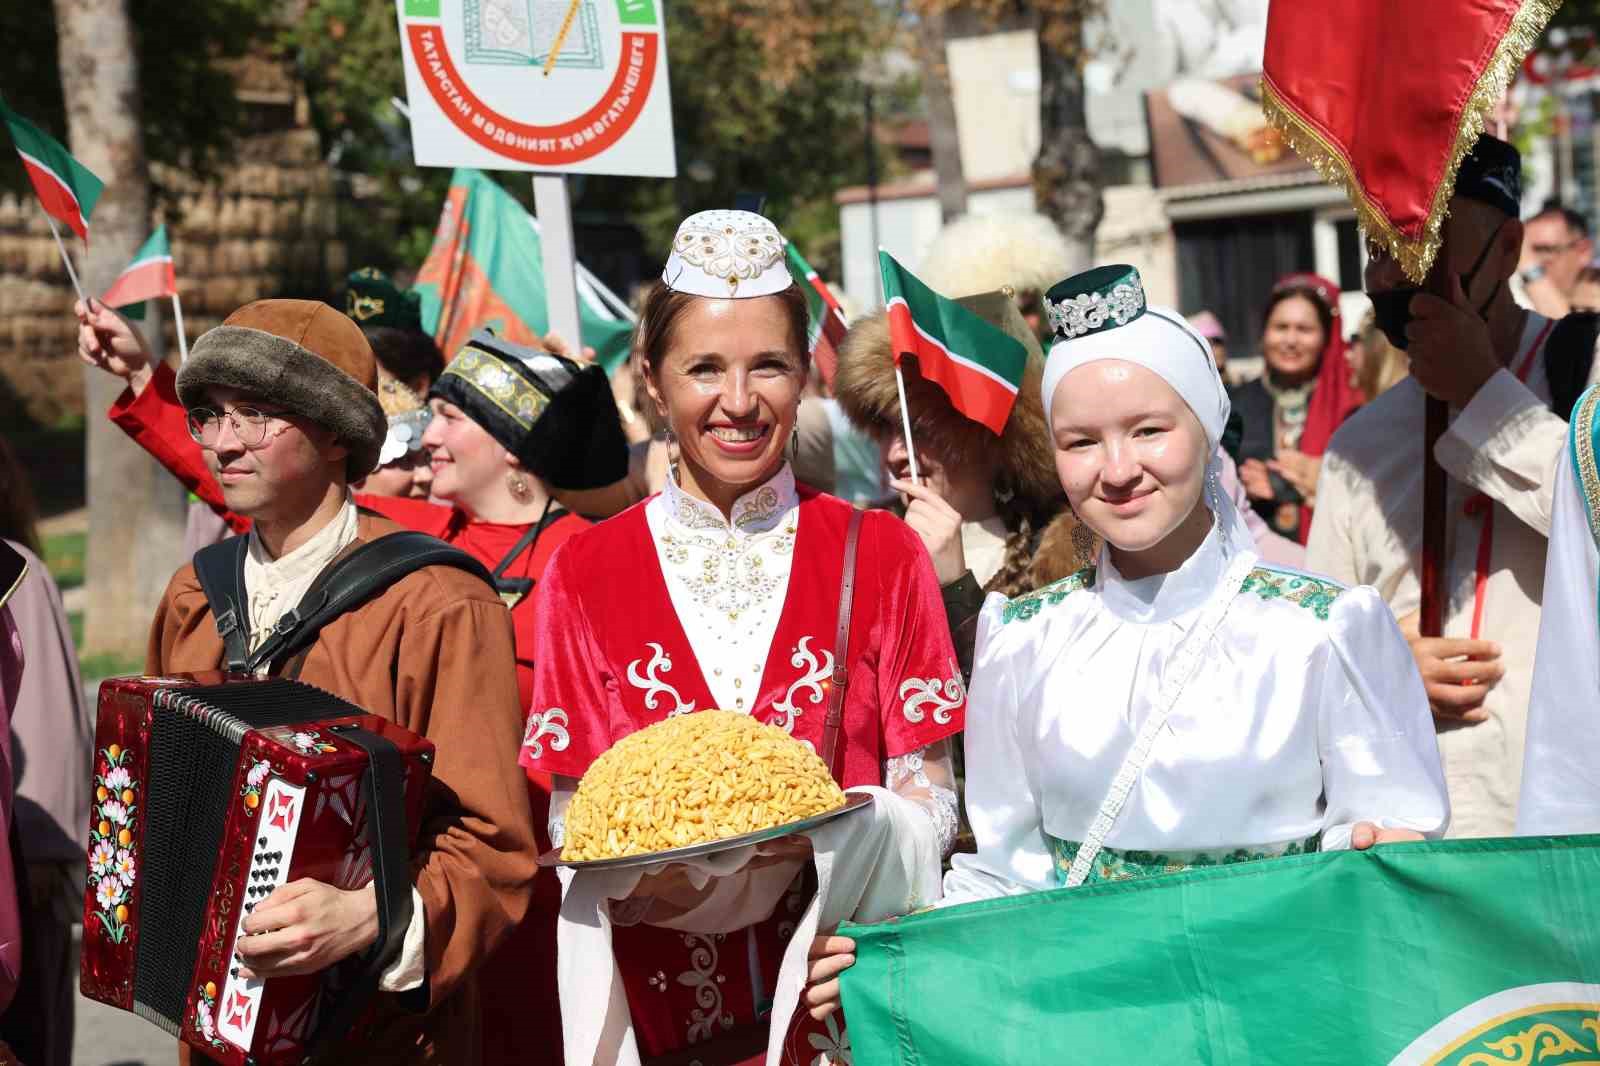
(265, 227)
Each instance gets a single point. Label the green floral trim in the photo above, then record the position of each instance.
(1025, 607)
(1313, 593)
(1113, 865)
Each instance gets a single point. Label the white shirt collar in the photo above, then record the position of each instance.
(310, 557)
(1163, 597)
(758, 511)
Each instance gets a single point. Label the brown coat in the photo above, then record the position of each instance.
(433, 653)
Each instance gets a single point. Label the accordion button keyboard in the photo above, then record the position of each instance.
(280, 814)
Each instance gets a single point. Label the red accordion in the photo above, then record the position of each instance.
(211, 791)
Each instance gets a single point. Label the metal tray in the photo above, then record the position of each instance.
(694, 851)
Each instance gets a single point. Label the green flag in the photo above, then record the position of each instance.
(1459, 953)
(977, 365)
(67, 189)
(485, 270)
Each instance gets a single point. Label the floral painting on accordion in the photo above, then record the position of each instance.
(112, 859)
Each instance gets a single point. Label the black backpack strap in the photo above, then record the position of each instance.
(351, 580)
(388, 838)
(220, 568)
(1568, 359)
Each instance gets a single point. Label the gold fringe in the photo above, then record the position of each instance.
(1415, 254)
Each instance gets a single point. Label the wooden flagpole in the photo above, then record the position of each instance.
(177, 319)
(905, 420)
(1434, 525)
(65, 258)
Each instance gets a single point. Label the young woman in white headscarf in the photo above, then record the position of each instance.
(1181, 703)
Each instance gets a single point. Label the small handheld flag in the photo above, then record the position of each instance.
(149, 276)
(67, 189)
(978, 366)
(827, 317)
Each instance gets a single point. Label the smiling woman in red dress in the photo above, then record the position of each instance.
(723, 592)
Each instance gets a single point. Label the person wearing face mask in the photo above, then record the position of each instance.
(1508, 381)
(1180, 703)
(1291, 411)
(732, 600)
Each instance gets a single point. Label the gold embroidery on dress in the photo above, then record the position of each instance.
(1588, 476)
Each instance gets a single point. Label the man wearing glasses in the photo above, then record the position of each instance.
(282, 400)
(1555, 250)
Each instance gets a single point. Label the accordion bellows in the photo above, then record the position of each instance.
(694, 779)
(209, 792)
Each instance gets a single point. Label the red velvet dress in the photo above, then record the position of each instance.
(614, 656)
(523, 970)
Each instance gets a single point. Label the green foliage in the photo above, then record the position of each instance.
(191, 114)
(64, 557)
(348, 55)
(753, 113)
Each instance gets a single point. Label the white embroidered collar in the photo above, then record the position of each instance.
(1163, 597)
(758, 511)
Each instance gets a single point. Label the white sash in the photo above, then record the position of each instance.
(1180, 668)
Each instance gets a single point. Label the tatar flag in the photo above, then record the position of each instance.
(485, 270)
(827, 317)
(1456, 953)
(978, 366)
(1387, 98)
(150, 275)
(67, 189)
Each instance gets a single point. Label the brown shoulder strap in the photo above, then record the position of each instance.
(841, 645)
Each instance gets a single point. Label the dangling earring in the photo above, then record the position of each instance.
(518, 485)
(672, 456)
(1003, 493)
(1214, 501)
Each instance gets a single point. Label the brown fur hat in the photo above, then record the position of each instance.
(865, 388)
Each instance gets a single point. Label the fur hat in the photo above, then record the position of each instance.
(980, 253)
(304, 357)
(865, 388)
(557, 416)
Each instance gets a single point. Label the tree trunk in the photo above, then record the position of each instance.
(136, 509)
(943, 136)
(1066, 177)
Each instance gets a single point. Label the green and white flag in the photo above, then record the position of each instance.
(67, 189)
(978, 366)
(1454, 953)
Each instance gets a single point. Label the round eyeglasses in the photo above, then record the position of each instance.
(252, 427)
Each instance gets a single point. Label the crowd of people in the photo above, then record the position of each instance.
(1160, 620)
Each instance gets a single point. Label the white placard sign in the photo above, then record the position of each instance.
(575, 86)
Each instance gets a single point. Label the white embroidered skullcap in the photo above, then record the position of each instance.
(1102, 314)
(727, 255)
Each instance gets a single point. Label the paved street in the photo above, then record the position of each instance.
(108, 1037)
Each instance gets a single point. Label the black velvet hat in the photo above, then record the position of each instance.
(556, 416)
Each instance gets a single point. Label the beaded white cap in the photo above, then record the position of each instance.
(727, 255)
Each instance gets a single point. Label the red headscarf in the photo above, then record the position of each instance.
(1335, 395)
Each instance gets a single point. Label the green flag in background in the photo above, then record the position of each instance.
(1460, 953)
(485, 270)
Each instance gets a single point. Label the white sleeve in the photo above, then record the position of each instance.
(927, 777)
(1330, 547)
(1002, 793)
(1380, 755)
(1506, 444)
(1561, 765)
(407, 971)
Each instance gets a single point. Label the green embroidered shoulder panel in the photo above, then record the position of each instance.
(1315, 594)
(1025, 607)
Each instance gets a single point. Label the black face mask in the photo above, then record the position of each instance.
(1392, 308)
